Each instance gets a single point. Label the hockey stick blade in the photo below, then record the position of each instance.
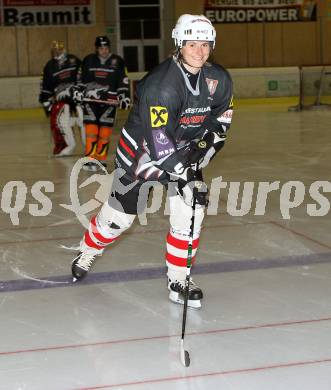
(184, 355)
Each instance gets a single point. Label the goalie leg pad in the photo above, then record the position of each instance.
(59, 142)
(64, 123)
(80, 124)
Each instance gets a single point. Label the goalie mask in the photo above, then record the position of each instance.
(58, 50)
(193, 28)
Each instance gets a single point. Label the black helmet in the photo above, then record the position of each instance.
(102, 40)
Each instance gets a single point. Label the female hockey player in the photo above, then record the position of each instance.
(180, 118)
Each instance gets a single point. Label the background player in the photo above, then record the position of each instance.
(104, 78)
(180, 118)
(60, 74)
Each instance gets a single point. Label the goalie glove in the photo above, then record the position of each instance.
(124, 101)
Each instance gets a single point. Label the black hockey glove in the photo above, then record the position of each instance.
(190, 185)
(47, 106)
(124, 101)
(199, 149)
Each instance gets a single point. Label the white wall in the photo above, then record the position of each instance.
(22, 92)
(19, 92)
(265, 82)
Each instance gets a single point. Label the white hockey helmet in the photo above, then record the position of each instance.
(193, 28)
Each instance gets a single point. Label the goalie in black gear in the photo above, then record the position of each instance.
(60, 74)
(180, 118)
(104, 78)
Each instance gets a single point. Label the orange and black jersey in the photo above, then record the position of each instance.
(109, 73)
(168, 113)
(56, 73)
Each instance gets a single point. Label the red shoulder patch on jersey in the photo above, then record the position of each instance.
(212, 84)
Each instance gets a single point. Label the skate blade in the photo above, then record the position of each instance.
(194, 304)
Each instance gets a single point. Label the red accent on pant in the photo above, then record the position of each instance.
(93, 234)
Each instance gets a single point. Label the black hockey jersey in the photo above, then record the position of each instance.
(106, 75)
(58, 75)
(168, 114)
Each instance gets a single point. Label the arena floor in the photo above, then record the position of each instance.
(266, 276)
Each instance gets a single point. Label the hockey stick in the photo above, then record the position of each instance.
(110, 102)
(184, 355)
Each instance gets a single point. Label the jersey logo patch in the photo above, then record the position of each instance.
(211, 84)
(159, 116)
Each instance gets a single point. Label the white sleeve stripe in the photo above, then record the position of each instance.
(150, 171)
(143, 167)
(64, 70)
(217, 138)
(128, 137)
(127, 162)
(102, 70)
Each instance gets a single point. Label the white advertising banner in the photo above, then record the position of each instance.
(260, 11)
(34, 13)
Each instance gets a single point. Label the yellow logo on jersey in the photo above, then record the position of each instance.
(159, 116)
(202, 144)
(231, 102)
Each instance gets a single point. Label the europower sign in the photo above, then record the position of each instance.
(260, 11)
(36, 13)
